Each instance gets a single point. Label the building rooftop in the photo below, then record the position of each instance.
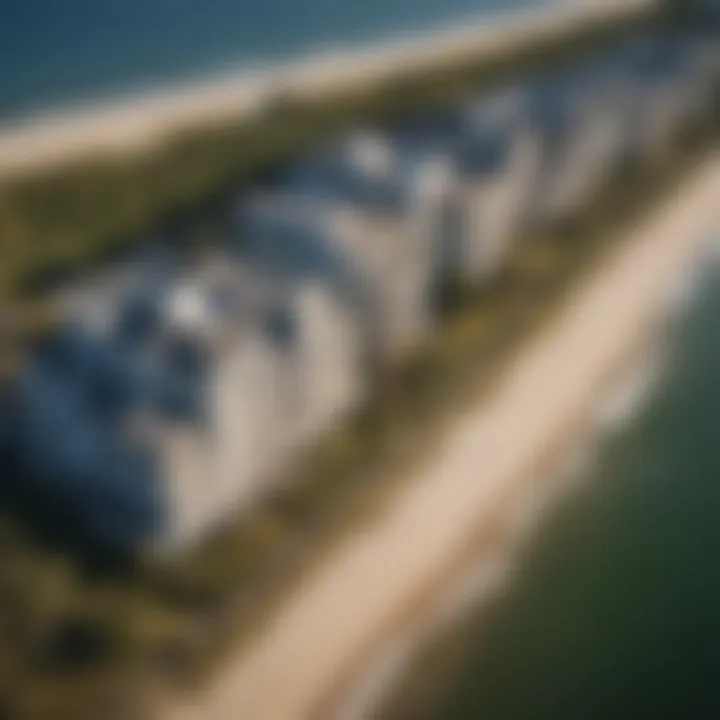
(360, 169)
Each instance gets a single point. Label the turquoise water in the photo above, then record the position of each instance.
(59, 52)
(615, 609)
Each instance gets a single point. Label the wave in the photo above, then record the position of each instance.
(618, 405)
(693, 281)
(494, 573)
(630, 394)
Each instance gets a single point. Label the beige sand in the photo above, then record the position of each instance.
(142, 122)
(322, 637)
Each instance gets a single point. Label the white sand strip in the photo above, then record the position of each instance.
(141, 123)
(333, 624)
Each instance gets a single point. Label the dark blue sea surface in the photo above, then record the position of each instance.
(59, 52)
(614, 613)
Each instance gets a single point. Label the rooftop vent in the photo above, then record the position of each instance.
(370, 154)
(188, 308)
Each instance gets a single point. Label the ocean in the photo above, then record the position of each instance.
(58, 53)
(611, 609)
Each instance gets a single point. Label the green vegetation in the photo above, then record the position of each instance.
(66, 219)
(79, 636)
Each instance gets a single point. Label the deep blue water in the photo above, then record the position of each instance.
(615, 611)
(59, 52)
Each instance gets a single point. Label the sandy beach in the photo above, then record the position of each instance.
(318, 647)
(141, 123)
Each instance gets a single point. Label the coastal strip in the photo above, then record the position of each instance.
(487, 567)
(313, 653)
(143, 123)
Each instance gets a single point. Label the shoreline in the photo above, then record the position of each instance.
(144, 121)
(121, 93)
(485, 570)
(421, 537)
(489, 571)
